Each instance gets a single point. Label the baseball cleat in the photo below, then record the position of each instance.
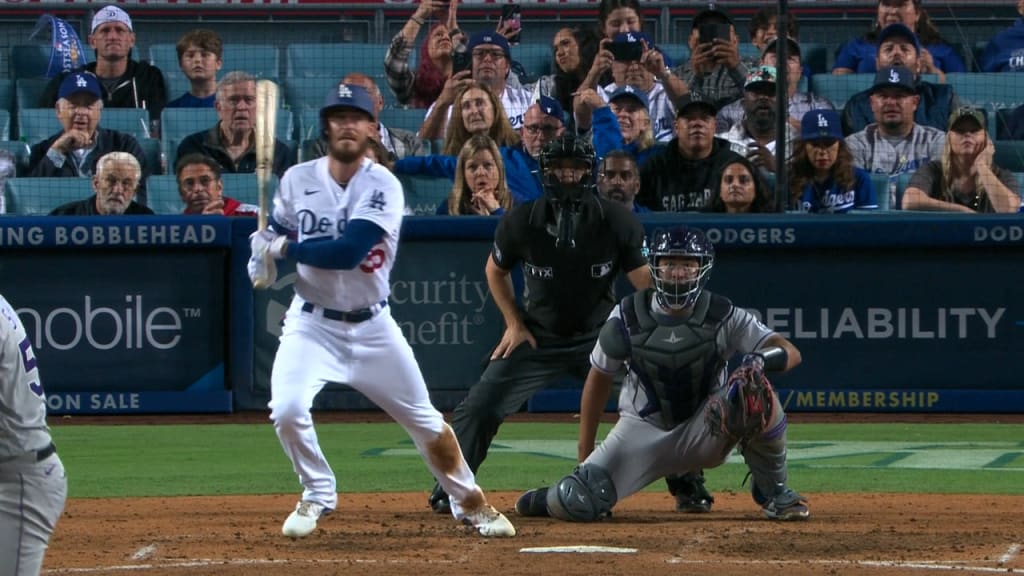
(490, 523)
(533, 503)
(302, 521)
(786, 505)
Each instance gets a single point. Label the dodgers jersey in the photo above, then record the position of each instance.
(22, 402)
(310, 206)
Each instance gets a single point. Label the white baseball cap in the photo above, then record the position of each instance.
(111, 14)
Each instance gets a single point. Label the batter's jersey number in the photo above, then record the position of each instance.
(28, 361)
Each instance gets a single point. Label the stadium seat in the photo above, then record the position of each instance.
(988, 90)
(28, 92)
(21, 152)
(535, 57)
(152, 153)
(1010, 155)
(243, 187)
(679, 53)
(162, 194)
(39, 196)
(838, 89)
(37, 124)
(6, 94)
(880, 182)
(336, 60)
(260, 60)
(405, 118)
(423, 195)
(5, 124)
(29, 60)
(302, 93)
(814, 55)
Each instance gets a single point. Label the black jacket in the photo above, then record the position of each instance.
(39, 165)
(937, 102)
(87, 207)
(209, 143)
(141, 87)
(669, 182)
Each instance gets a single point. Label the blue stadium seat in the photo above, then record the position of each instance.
(336, 60)
(260, 60)
(679, 53)
(162, 195)
(153, 154)
(1009, 155)
(29, 60)
(838, 89)
(535, 57)
(423, 195)
(6, 94)
(988, 90)
(28, 92)
(814, 55)
(39, 196)
(243, 187)
(309, 92)
(21, 152)
(5, 124)
(880, 182)
(37, 124)
(404, 118)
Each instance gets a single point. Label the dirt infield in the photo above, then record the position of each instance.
(396, 534)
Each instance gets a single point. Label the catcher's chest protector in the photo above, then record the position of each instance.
(676, 365)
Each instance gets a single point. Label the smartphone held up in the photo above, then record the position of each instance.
(511, 22)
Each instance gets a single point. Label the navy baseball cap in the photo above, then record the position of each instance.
(551, 107)
(79, 82)
(712, 14)
(693, 98)
(820, 125)
(894, 76)
(481, 38)
(349, 96)
(900, 31)
(630, 92)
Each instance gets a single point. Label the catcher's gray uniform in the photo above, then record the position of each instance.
(643, 445)
(32, 483)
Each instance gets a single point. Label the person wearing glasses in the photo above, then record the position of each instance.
(490, 64)
(76, 149)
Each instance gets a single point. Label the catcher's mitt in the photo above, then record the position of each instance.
(746, 407)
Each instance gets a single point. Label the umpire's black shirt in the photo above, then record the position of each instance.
(569, 291)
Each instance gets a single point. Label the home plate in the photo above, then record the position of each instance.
(578, 550)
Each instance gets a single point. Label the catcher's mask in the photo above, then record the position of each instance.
(567, 170)
(677, 286)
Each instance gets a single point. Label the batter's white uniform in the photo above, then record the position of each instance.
(371, 356)
(32, 483)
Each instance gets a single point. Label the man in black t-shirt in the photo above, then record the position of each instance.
(571, 245)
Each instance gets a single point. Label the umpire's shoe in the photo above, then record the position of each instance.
(533, 503)
(439, 501)
(692, 496)
(302, 521)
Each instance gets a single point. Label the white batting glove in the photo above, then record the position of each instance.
(262, 271)
(268, 242)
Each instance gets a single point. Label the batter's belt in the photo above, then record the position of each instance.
(355, 316)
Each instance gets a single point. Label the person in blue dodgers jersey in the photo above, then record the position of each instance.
(679, 409)
(338, 217)
(571, 246)
(33, 487)
(822, 175)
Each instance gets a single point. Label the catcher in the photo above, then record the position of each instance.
(678, 411)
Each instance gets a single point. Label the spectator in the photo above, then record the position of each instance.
(858, 55)
(479, 111)
(491, 58)
(115, 183)
(623, 123)
(619, 17)
(421, 88)
(898, 46)
(1005, 51)
(714, 69)
(199, 57)
(480, 186)
(8, 170)
(573, 51)
(618, 180)
(378, 153)
(755, 135)
(964, 179)
(799, 102)
(894, 143)
(741, 190)
(232, 140)
(75, 150)
(126, 83)
(822, 177)
(680, 176)
(202, 190)
(764, 30)
(543, 123)
(397, 143)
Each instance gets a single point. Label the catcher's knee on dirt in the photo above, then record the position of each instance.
(586, 495)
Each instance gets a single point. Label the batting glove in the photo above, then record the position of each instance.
(262, 271)
(268, 242)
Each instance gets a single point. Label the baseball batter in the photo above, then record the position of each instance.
(339, 217)
(32, 483)
(677, 410)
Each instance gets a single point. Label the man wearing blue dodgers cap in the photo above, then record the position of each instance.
(125, 83)
(894, 143)
(651, 73)
(899, 46)
(543, 122)
(823, 178)
(491, 63)
(75, 150)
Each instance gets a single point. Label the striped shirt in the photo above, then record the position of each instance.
(879, 154)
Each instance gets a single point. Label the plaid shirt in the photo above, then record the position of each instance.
(396, 68)
(721, 86)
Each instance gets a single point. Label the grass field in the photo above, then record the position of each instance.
(156, 460)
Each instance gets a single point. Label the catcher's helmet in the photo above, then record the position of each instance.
(681, 241)
(581, 153)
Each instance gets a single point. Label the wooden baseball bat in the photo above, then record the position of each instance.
(266, 121)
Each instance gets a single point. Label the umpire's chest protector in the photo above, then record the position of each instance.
(676, 364)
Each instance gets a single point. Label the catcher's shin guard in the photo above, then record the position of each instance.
(586, 495)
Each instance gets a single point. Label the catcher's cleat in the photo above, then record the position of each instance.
(533, 503)
(692, 496)
(490, 523)
(439, 502)
(785, 505)
(302, 521)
